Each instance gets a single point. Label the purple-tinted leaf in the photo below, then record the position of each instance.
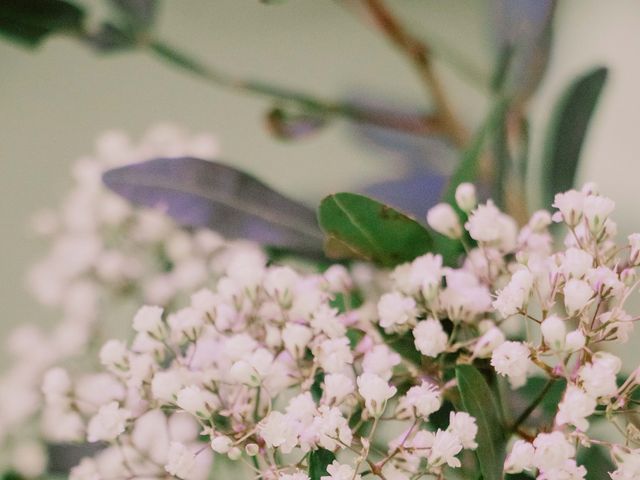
(201, 193)
(523, 33)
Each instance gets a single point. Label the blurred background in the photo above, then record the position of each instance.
(56, 100)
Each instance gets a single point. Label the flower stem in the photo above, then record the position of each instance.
(529, 410)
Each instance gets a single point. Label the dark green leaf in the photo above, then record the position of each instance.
(316, 388)
(201, 193)
(478, 401)
(29, 22)
(318, 462)
(568, 129)
(597, 462)
(360, 227)
(549, 404)
(467, 169)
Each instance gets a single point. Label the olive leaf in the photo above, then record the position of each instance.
(478, 401)
(318, 461)
(201, 193)
(568, 129)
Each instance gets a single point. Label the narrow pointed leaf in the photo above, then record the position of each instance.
(318, 461)
(200, 193)
(364, 228)
(478, 401)
(568, 129)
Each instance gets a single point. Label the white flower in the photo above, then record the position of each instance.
(489, 225)
(380, 360)
(87, 469)
(511, 359)
(539, 221)
(599, 377)
(575, 407)
(466, 197)
(396, 310)
(420, 401)
(337, 387)
(570, 204)
(114, 354)
(328, 425)
(445, 447)
(221, 444)
(375, 391)
(278, 431)
(552, 450)
(192, 399)
(515, 295)
(165, 385)
(634, 243)
(444, 219)
(520, 458)
(338, 278)
(628, 465)
(430, 338)
(464, 427)
(335, 355)
(339, 471)
(575, 341)
(181, 462)
(576, 262)
(577, 294)
(108, 423)
(596, 210)
(29, 458)
(279, 283)
(186, 324)
(56, 386)
(296, 339)
(149, 320)
(554, 332)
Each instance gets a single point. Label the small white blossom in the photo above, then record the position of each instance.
(181, 461)
(430, 338)
(108, 423)
(511, 359)
(375, 391)
(444, 219)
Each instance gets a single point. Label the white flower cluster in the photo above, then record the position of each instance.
(574, 299)
(103, 255)
(267, 369)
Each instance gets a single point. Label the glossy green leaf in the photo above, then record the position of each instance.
(360, 227)
(318, 461)
(29, 22)
(568, 129)
(478, 401)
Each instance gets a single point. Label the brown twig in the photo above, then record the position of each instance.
(420, 55)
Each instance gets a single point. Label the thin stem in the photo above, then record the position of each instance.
(409, 123)
(420, 56)
(529, 410)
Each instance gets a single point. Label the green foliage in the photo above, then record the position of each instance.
(360, 227)
(597, 462)
(318, 462)
(549, 404)
(478, 401)
(567, 130)
(467, 170)
(29, 22)
(316, 388)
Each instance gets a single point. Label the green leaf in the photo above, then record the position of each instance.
(360, 227)
(29, 22)
(478, 401)
(467, 170)
(318, 462)
(316, 388)
(597, 462)
(568, 129)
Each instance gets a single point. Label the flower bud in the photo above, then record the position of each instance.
(234, 454)
(221, 444)
(554, 332)
(251, 449)
(443, 219)
(575, 341)
(466, 197)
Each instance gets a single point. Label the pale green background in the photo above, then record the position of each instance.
(54, 102)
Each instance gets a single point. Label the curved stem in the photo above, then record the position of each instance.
(409, 123)
(529, 410)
